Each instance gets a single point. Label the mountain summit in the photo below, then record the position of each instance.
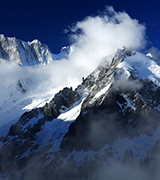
(28, 53)
(107, 128)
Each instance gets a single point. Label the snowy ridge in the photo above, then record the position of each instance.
(143, 66)
(28, 53)
(113, 116)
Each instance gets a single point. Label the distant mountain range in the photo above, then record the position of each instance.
(28, 53)
(106, 128)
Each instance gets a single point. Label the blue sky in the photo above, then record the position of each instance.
(46, 19)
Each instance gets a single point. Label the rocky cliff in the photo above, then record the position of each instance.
(28, 53)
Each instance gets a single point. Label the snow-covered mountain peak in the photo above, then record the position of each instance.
(154, 53)
(2, 37)
(111, 116)
(141, 67)
(124, 51)
(35, 41)
(149, 55)
(27, 53)
(66, 49)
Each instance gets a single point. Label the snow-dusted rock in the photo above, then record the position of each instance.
(109, 122)
(28, 53)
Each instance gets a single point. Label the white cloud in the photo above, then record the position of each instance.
(123, 83)
(102, 35)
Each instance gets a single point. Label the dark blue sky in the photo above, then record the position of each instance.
(46, 19)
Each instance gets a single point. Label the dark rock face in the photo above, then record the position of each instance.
(64, 99)
(104, 123)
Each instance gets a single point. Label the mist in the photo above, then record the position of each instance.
(124, 171)
(122, 82)
(155, 54)
(123, 154)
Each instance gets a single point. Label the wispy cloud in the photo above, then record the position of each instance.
(101, 35)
